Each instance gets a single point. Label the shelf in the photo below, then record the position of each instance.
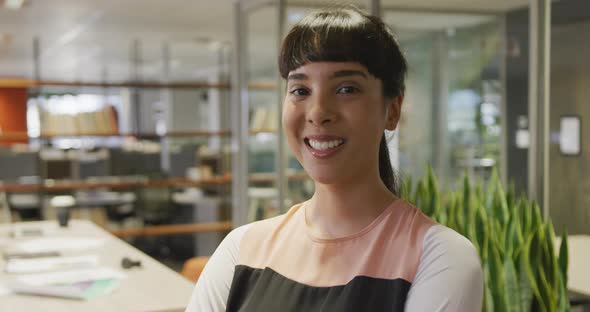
(24, 135)
(174, 229)
(262, 86)
(70, 185)
(266, 131)
(175, 134)
(271, 177)
(29, 83)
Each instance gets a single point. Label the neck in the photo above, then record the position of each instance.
(345, 209)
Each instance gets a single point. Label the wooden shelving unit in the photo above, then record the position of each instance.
(24, 135)
(174, 229)
(70, 185)
(258, 131)
(55, 186)
(31, 83)
(172, 134)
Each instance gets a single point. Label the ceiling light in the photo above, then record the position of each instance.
(13, 4)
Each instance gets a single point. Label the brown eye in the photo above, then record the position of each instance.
(299, 92)
(348, 90)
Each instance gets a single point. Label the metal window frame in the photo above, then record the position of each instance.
(539, 97)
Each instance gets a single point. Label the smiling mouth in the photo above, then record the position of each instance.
(323, 147)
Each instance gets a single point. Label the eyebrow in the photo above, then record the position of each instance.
(337, 74)
(297, 77)
(347, 73)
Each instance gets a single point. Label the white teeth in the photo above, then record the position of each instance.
(322, 146)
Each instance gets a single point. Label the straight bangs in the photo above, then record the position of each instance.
(345, 35)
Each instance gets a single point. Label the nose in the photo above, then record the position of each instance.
(320, 111)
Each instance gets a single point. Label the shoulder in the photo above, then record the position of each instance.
(444, 246)
(233, 240)
(449, 276)
(250, 234)
(268, 229)
(212, 287)
(439, 244)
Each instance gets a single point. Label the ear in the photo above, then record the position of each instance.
(394, 109)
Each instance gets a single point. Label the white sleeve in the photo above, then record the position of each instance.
(212, 288)
(449, 277)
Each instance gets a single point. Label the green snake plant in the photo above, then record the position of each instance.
(523, 271)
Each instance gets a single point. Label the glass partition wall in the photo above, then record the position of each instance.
(271, 178)
(126, 125)
(478, 98)
(451, 113)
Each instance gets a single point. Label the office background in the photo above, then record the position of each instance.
(160, 120)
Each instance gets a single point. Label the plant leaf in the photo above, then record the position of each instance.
(563, 257)
(511, 287)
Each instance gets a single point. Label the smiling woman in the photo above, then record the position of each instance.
(355, 245)
(334, 113)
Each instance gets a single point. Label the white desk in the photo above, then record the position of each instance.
(579, 264)
(153, 287)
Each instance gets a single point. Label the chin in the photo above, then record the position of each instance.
(327, 175)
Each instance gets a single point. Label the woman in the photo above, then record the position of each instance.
(355, 245)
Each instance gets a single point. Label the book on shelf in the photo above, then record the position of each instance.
(259, 118)
(102, 121)
(264, 119)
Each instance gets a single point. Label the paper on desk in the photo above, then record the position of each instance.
(50, 264)
(75, 284)
(71, 276)
(80, 290)
(57, 243)
(4, 290)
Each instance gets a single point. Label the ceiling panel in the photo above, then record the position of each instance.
(86, 39)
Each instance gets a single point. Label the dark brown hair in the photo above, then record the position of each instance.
(347, 34)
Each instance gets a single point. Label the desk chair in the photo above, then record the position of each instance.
(193, 267)
(153, 207)
(100, 204)
(182, 159)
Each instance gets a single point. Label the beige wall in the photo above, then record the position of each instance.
(570, 95)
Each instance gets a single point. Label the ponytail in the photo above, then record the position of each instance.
(385, 170)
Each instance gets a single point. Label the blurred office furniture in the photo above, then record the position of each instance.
(579, 258)
(262, 201)
(21, 167)
(117, 205)
(193, 267)
(153, 208)
(101, 204)
(93, 164)
(141, 290)
(192, 204)
(56, 164)
(125, 189)
(183, 158)
(578, 272)
(132, 162)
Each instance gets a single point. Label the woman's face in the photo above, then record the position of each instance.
(334, 115)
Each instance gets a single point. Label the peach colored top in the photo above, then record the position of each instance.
(401, 261)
